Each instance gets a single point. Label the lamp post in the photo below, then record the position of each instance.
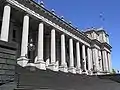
(31, 48)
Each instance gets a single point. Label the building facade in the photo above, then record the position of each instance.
(46, 41)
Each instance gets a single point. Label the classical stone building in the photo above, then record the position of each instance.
(46, 41)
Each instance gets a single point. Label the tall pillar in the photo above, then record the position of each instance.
(104, 54)
(96, 59)
(109, 61)
(24, 46)
(53, 47)
(90, 66)
(63, 66)
(84, 57)
(5, 23)
(71, 55)
(53, 64)
(100, 61)
(40, 61)
(40, 42)
(78, 68)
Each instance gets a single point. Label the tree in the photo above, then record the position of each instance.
(113, 71)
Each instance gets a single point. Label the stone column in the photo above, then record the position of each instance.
(96, 59)
(104, 54)
(40, 42)
(53, 47)
(71, 66)
(90, 66)
(63, 66)
(100, 61)
(24, 46)
(5, 23)
(84, 57)
(53, 64)
(40, 61)
(78, 68)
(109, 61)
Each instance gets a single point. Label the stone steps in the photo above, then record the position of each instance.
(49, 80)
(8, 86)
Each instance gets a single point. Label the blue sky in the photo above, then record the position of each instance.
(85, 14)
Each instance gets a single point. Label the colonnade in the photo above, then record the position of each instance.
(89, 55)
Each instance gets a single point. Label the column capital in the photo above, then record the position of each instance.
(53, 29)
(7, 4)
(41, 22)
(26, 14)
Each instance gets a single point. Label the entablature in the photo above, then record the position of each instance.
(26, 6)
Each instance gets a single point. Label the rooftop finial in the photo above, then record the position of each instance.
(53, 11)
(76, 28)
(92, 28)
(42, 3)
(62, 17)
(70, 22)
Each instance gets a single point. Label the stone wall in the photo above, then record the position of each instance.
(8, 53)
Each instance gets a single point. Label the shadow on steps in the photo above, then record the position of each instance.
(33, 78)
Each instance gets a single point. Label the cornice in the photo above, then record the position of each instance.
(106, 45)
(90, 31)
(95, 41)
(102, 31)
(63, 22)
(101, 45)
(36, 14)
(80, 36)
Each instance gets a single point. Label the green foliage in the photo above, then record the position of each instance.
(113, 71)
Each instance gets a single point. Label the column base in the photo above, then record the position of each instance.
(85, 72)
(102, 73)
(31, 66)
(63, 68)
(40, 65)
(72, 70)
(90, 72)
(78, 71)
(22, 61)
(53, 66)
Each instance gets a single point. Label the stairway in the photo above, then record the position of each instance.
(8, 86)
(34, 79)
(114, 77)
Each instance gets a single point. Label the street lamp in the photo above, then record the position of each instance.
(31, 46)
